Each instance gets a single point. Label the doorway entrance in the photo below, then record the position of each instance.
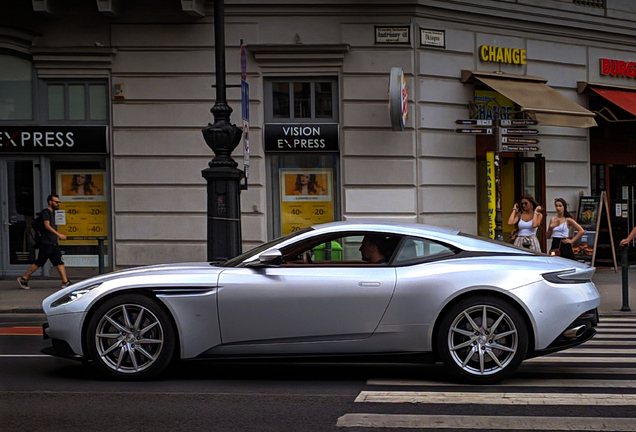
(20, 200)
(519, 176)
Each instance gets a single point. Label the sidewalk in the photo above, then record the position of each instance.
(13, 299)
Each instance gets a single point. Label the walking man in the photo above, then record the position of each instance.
(49, 245)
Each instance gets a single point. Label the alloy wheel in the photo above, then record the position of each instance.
(129, 338)
(482, 340)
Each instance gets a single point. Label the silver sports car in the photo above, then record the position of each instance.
(397, 292)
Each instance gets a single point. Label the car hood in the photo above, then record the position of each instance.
(186, 275)
(182, 269)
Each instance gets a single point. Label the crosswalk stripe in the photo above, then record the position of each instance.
(631, 324)
(512, 382)
(608, 342)
(595, 350)
(614, 336)
(588, 359)
(512, 398)
(606, 330)
(23, 355)
(417, 421)
(562, 370)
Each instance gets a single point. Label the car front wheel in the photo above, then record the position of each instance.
(482, 339)
(130, 337)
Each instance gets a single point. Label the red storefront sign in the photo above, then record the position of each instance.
(618, 68)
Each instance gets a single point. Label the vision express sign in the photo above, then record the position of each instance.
(305, 137)
(53, 139)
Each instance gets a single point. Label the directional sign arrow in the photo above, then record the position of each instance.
(519, 148)
(519, 131)
(518, 122)
(476, 122)
(475, 131)
(512, 140)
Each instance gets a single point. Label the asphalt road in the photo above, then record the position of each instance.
(588, 388)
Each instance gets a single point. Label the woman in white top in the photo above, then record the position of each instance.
(559, 229)
(527, 217)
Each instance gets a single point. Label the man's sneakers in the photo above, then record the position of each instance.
(67, 283)
(24, 283)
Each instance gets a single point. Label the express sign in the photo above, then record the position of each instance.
(618, 68)
(53, 139)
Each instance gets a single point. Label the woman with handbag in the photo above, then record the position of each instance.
(559, 230)
(527, 216)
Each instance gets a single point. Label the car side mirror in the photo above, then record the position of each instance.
(271, 257)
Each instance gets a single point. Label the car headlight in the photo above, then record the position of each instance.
(73, 295)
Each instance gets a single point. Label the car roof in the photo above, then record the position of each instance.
(447, 235)
(394, 227)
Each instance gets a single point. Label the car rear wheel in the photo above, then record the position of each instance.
(130, 337)
(482, 339)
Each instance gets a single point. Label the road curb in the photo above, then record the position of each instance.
(18, 309)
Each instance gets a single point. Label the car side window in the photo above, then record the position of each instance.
(414, 250)
(342, 249)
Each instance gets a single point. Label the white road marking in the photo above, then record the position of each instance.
(575, 370)
(614, 336)
(513, 382)
(513, 398)
(596, 341)
(594, 350)
(414, 421)
(588, 359)
(23, 355)
(606, 330)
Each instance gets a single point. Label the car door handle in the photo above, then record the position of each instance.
(369, 284)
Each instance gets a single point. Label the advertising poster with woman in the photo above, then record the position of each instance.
(306, 198)
(83, 201)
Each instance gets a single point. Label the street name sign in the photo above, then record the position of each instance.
(476, 122)
(519, 122)
(474, 131)
(506, 131)
(519, 148)
(513, 140)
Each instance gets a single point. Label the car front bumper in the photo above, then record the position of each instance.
(64, 330)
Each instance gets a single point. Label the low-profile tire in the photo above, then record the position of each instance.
(130, 337)
(481, 354)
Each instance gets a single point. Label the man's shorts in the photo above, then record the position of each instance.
(49, 251)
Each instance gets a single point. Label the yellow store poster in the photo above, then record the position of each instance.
(489, 102)
(306, 198)
(83, 200)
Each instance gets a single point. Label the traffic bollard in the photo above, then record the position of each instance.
(625, 271)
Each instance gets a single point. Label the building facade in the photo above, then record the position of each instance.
(103, 102)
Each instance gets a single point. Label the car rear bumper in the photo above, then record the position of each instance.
(581, 330)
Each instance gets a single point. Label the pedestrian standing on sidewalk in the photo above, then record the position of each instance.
(527, 216)
(49, 245)
(630, 237)
(559, 229)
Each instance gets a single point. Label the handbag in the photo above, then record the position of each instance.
(526, 243)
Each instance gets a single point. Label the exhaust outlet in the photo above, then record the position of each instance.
(574, 331)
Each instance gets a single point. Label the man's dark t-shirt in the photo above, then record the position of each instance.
(47, 236)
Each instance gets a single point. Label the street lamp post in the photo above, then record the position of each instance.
(222, 175)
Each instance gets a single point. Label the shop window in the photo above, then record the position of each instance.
(292, 100)
(77, 101)
(303, 174)
(305, 188)
(16, 88)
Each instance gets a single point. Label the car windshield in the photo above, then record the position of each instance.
(258, 249)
